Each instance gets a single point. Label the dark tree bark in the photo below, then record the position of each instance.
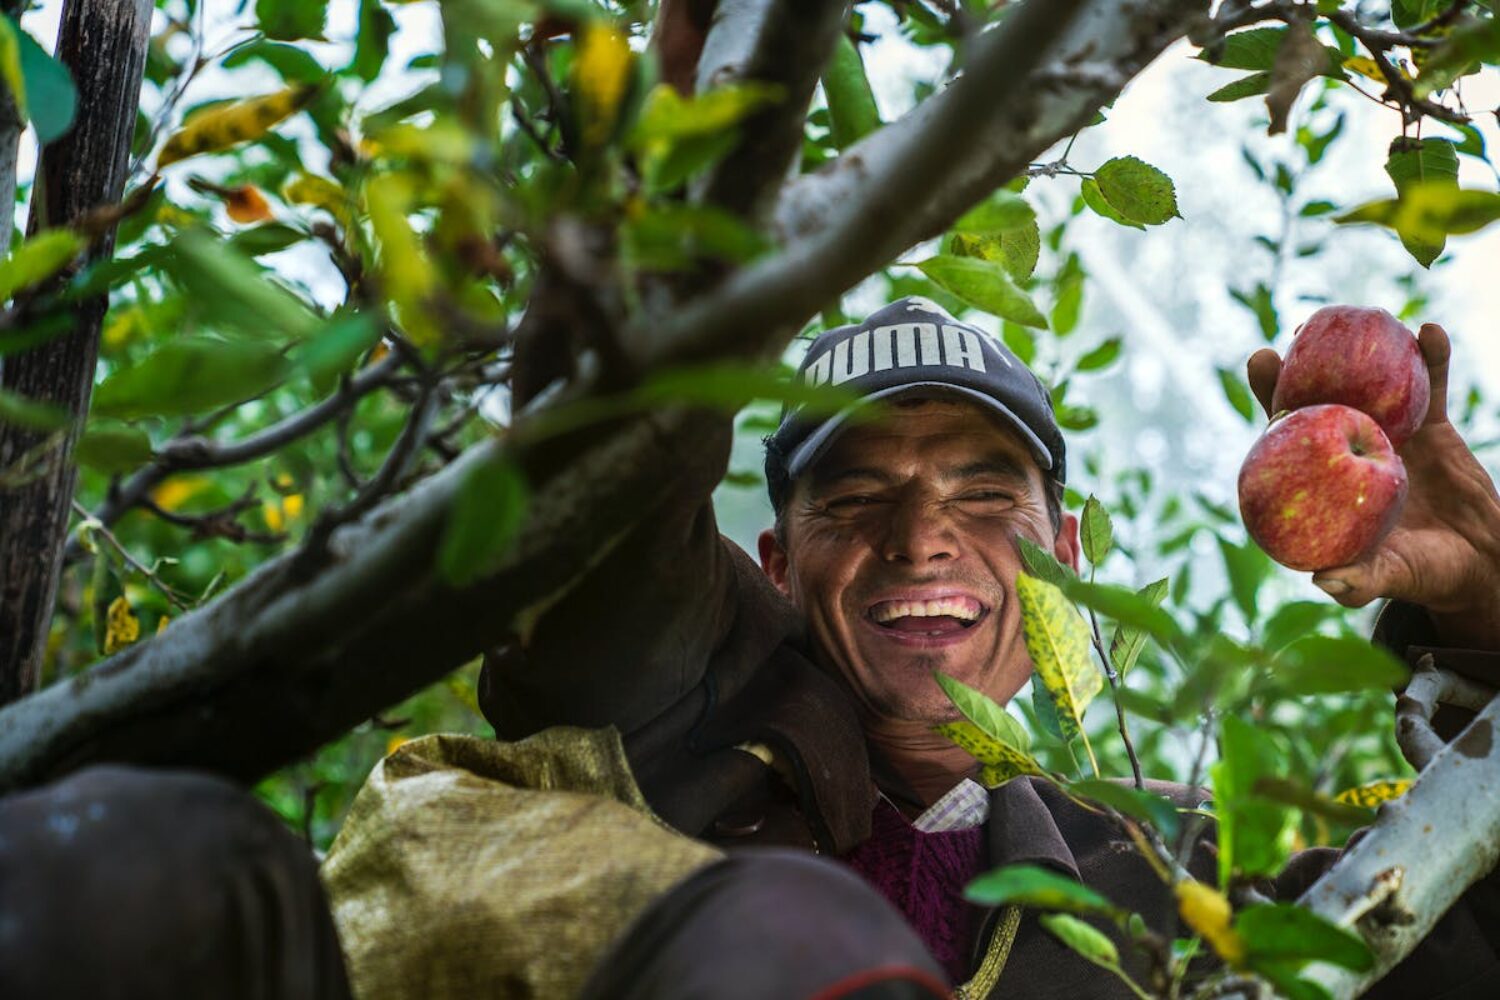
(103, 45)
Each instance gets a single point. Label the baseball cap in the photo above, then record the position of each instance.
(913, 344)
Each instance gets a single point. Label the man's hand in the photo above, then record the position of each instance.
(1444, 553)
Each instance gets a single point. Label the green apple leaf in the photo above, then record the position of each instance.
(986, 713)
(984, 285)
(1137, 190)
(1098, 531)
(1087, 941)
(1125, 648)
(1038, 887)
(852, 112)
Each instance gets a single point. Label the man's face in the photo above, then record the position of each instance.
(901, 551)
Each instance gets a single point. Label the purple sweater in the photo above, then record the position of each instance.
(923, 875)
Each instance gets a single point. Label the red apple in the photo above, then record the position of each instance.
(1321, 487)
(1362, 358)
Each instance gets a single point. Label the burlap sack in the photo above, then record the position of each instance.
(469, 868)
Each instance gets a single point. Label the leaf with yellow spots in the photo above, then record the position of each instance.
(407, 275)
(240, 121)
(1365, 67)
(1207, 911)
(121, 628)
(601, 74)
(319, 192)
(1058, 641)
(1373, 793)
(1001, 760)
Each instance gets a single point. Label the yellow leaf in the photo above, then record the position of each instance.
(394, 744)
(320, 192)
(1207, 911)
(122, 626)
(242, 121)
(38, 259)
(124, 326)
(1001, 760)
(171, 494)
(1372, 794)
(162, 623)
(246, 204)
(407, 275)
(601, 72)
(10, 65)
(1058, 641)
(443, 141)
(291, 506)
(1365, 67)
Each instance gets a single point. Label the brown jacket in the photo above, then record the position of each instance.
(679, 640)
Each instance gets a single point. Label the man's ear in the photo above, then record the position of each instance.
(1066, 546)
(773, 560)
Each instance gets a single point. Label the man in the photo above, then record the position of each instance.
(791, 704)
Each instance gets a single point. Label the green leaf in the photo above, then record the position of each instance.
(674, 237)
(1238, 393)
(1139, 703)
(1248, 567)
(372, 43)
(1058, 641)
(1126, 606)
(731, 385)
(1125, 648)
(289, 20)
(1140, 804)
(1019, 250)
(1069, 302)
(112, 447)
(1252, 49)
(38, 259)
(1471, 43)
(333, 351)
(487, 514)
(1291, 792)
(1262, 305)
(1316, 208)
(1422, 161)
(1043, 564)
(984, 285)
(1034, 886)
(1283, 931)
(1102, 356)
(1098, 531)
(10, 63)
(1472, 143)
(1429, 211)
(982, 710)
(189, 376)
(1095, 200)
(1002, 761)
(1046, 712)
(1255, 835)
(1293, 621)
(1137, 190)
(1246, 86)
(51, 98)
(234, 292)
(666, 115)
(268, 238)
(293, 64)
(19, 411)
(1328, 664)
(1087, 941)
(852, 112)
(1001, 212)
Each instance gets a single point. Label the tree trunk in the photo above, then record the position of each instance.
(103, 45)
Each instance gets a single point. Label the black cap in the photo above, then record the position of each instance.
(909, 345)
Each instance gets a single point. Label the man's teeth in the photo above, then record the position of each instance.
(952, 607)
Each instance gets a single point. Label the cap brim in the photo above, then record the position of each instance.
(811, 448)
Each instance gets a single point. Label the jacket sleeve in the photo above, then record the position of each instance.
(635, 633)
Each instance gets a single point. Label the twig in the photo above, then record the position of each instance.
(1114, 690)
(178, 601)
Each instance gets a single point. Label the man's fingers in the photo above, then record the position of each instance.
(1262, 369)
(1352, 586)
(1436, 351)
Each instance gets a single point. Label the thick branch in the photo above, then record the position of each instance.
(779, 42)
(1423, 851)
(277, 666)
(910, 180)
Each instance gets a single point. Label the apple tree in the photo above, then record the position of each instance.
(367, 344)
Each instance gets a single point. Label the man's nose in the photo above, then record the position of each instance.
(919, 533)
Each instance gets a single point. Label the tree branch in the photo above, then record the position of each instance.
(910, 180)
(1394, 885)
